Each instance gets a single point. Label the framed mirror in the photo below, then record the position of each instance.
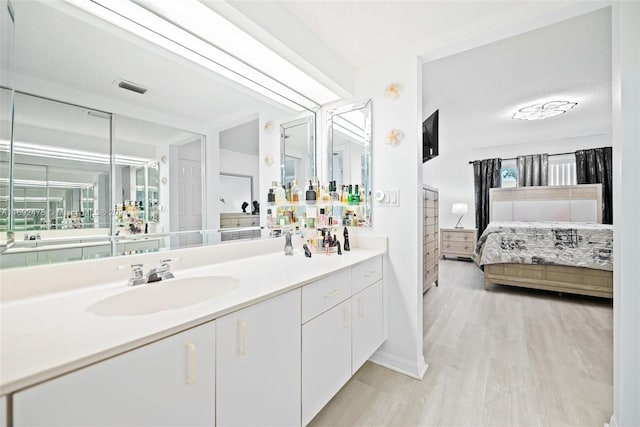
(297, 151)
(349, 157)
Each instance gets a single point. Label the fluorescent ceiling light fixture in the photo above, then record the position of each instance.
(544, 110)
(28, 149)
(190, 29)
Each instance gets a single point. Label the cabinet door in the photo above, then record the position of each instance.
(368, 324)
(326, 358)
(167, 383)
(258, 364)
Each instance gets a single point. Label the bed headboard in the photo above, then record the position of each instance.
(575, 203)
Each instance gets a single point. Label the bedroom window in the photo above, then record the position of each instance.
(562, 171)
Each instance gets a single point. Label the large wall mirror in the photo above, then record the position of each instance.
(111, 172)
(349, 156)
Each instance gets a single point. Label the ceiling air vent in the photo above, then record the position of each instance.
(133, 87)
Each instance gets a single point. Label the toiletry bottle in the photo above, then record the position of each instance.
(310, 196)
(281, 197)
(346, 246)
(350, 195)
(271, 197)
(270, 222)
(288, 193)
(356, 196)
(321, 218)
(345, 194)
(335, 195)
(295, 192)
(316, 185)
(288, 247)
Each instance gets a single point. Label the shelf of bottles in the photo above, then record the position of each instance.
(315, 214)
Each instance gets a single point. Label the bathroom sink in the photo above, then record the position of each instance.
(169, 294)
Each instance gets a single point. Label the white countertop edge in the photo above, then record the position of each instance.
(42, 375)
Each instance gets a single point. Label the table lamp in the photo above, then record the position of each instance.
(459, 209)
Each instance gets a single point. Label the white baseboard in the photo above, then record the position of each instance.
(397, 364)
(612, 422)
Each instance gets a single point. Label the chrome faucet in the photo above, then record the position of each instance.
(137, 275)
(162, 272)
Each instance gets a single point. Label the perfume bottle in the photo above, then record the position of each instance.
(356, 196)
(281, 196)
(311, 195)
(288, 192)
(345, 194)
(350, 195)
(270, 221)
(322, 218)
(295, 192)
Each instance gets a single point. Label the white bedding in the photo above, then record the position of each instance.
(561, 243)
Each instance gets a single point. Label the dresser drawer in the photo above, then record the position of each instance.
(366, 273)
(452, 246)
(458, 236)
(320, 296)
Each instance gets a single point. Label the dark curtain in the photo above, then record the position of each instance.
(533, 170)
(486, 175)
(595, 167)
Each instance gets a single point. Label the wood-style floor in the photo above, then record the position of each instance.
(503, 357)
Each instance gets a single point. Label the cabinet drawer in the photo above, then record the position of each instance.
(366, 273)
(320, 296)
(457, 247)
(460, 236)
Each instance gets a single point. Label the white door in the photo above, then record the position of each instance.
(326, 358)
(190, 200)
(368, 324)
(167, 383)
(258, 364)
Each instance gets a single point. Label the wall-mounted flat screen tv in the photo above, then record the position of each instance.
(430, 137)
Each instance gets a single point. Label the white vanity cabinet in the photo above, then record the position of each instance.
(343, 325)
(326, 358)
(258, 364)
(368, 332)
(170, 382)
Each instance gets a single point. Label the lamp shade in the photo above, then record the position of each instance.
(459, 208)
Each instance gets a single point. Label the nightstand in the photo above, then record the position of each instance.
(457, 242)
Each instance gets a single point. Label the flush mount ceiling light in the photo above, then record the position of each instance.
(544, 110)
(195, 32)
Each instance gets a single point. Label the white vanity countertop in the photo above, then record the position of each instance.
(50, 335)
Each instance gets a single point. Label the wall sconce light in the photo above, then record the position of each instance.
(268, 127)
(460, 209)
(394, 136)
(268, 160)
(393, 91)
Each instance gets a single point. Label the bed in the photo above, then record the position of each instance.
(548, 238)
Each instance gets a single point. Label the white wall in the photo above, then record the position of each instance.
(626, 206)
(398, 168)
(452, 174)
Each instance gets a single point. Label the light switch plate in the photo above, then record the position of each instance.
(388, 198)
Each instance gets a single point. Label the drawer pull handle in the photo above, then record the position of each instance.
(332, 293)
(360, 307)
(242, 332)
(191, 363)
(370, 273)
(347, 318)
(466, 237)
